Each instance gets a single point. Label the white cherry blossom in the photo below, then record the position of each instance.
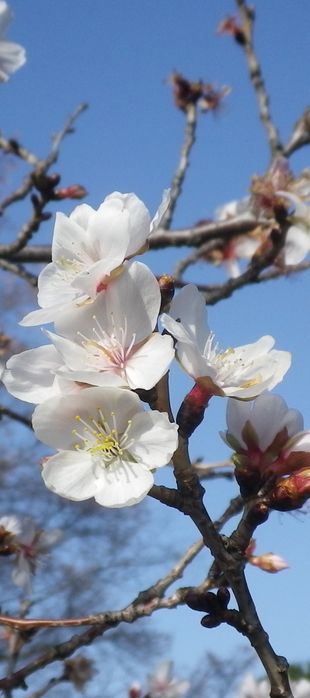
(108, 445)
(12, 56)
(115, 335)
(242, 372)
(88, 251)
(161, 683)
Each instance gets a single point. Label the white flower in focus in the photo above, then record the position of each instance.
(12, 56)
(162, 685)
(242, 372)
(114, 336)
(297, 241)
(267, 435)
(88, 251)
(107, 444)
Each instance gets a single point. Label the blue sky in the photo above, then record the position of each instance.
(117, 55)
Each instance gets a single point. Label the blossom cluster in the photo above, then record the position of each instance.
(277, 192)
(104, 347)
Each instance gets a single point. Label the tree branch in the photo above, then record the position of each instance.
(256, 77)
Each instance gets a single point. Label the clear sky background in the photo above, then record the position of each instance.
(117, 55)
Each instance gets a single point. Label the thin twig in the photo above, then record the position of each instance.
(22, 419)
(20, 271)
(177, 182)
(257, 80)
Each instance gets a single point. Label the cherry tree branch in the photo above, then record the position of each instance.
(178, 179)
(39, 172)
(11, 414)
(257, 80)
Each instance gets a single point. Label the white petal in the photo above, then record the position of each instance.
(124, 484)
(21, 574)
(138, 219)
(30, 375)
(150, 362)
(297, 245)
(69, 236)
(188, 306)
(156, 221)
(12, 57)
(155, 438)
(54, 287)
(70, 474)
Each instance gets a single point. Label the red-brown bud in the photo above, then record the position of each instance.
(166, 285)
(191, 412)
(75, 191)
(203, 601)
(291, 492)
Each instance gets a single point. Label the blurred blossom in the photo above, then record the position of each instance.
(12, 56)
(29, 543)
(161, 684)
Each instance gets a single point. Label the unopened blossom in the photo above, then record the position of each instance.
(161, 683)
(291, 492)
(89, 249)
(107, 445)
(268, 562)
(12, 56)
(242, 372)
(267, 437)
(135, 690)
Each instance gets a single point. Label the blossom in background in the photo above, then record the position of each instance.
(89, 249)
(108, 445)
(243, 372)
(28, 543)
(12, 56)
(240, 246)
(251, 688)
(297, 241)
(162, 685)
(267, 437)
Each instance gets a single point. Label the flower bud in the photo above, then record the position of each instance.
(135, 690)
(166, 285)
(75, 191)
(223, 597)
(191, 412)
(291, 492)
(269, 562)
(203, 601)
(210, 622)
